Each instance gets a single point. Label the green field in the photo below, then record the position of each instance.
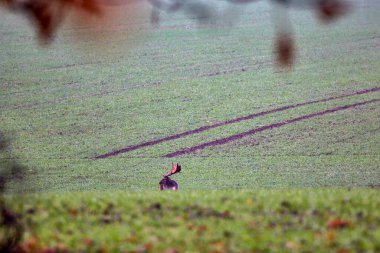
(93, 92)
(76, 99)
(329, 220)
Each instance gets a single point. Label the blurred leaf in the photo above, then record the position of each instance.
(339, 224)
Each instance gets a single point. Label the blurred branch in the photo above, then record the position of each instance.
(47, 15)
(11, 228)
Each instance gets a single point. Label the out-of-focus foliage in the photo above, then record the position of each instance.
(11, 229)
(313, 220)
(47, 15)
(203, 11)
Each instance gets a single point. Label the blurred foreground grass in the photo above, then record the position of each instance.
(297, 220)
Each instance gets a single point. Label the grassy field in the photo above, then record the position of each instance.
(272, 160)
(67, 103)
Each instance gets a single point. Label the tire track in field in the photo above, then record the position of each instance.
(235, 137)
(229, 122)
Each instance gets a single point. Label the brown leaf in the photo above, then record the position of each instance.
(88, 242)
(330, 10)
(219, 246)
(148, 246)
(339, 224)
(132, 239)
(49, 250)
(61, 247)
(330, 236)
(291, 245)
(31, 244)
(284, 49)
(102, 250)
(202, 229)
(171, 251)
(253, 225)
(190, 226)
(73, 212)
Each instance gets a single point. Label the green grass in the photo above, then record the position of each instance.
(66, 103)
(303, 220)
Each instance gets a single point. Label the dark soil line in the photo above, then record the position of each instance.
(232, 121)
(263, 128)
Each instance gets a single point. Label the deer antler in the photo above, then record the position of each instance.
(175, 169)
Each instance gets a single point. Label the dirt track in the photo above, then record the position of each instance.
(263, 128)
(236, 120)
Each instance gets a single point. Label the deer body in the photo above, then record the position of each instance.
(168, 184)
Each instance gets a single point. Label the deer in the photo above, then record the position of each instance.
(166, 182)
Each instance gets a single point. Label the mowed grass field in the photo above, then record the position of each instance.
(96, 116)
